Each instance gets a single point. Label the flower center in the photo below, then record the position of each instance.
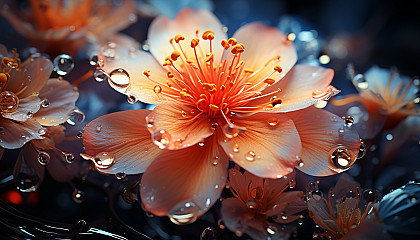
(8, 100)
(216, 87)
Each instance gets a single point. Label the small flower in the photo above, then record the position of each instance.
(218, 98)
(385, 99)
(341, 211)
(57, 27)
(261, 205)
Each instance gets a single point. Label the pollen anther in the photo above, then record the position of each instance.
(208, 35)
(175, 55)
(232, 41)
(214, 107)
(194, 42)
(146, 73)
(179, 38)
(278, 69)
(269, 81)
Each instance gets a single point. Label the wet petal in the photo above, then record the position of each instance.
(15, 135)
(297, 88)
(39, 69)
(234, 211)
(269, 146)
(288, 204)
(185, 183)
(319, 212)
(186, 126)
(321, 133)
(135, 62)
(186, 23)
(62, 97)
(27, 107)
(125, 137)
(369, 230)
(28, 173)
(263, 43)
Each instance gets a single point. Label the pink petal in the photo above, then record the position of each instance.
(288, 204)
(185, 183)
(274, 187)
(186, 23)
(15, 135)
(186, 126)
(263, 43)
(28, 172)
(125, 137)
(269, 146)
(135, 62)
(370, 229)
(30, 104)
(39, 70)
(62, 97)
(238, 184)
(321, 132)
(297, 88)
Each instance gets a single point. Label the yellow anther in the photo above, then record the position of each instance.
(167, 63)
(183, 94)
(224, 105)
(190, 61)
(178, 38)
(239, 64)
(232, 41)
(194, 42)
(184, 90)
(278, 69)
(168, 58)
(171, 40)
(209, 86)
(170, 75)
(208, 35)
(169, 83)
(157, 89)
(6, 62)
(269, 81)
(222, 88)
(209, 57)
(213, 107)
(276, 103)
(238, 48)
(175, 55)
(248, 71)
(197, 31)
(146, 73)
(225, 44)
(200, 101)
(3, 78)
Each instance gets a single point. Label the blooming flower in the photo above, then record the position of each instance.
(385, 99)
(217, 98)
(260, 205)
(56, 26)
(347, 214)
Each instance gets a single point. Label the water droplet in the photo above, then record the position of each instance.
(370, 195)
(79, 134)
(235, 148)
(29, 115)
(94, 60)
(389, 137)
(292, 183)
(362, 150)
(316, 94)
(239, 233)
(157, 89)
(69, 157)
(201, 144)
(161, 138)
(272, 230)
(120, 175)
(221, 224)
(45, 103)
(183, 114)
(315, 195)
(276, 103)
(42, 131)
(131, 99)
(43, 158)
(76, 117)
(98, 128)
(100, 75)
(251, 204)
(104, 160)
(78, 196)
(273, 121)
(128, 196)
(348, 121)
(214, 126)
(341, 158)
(184, 213)
(230, 131)
(250, 156)
(216, 160)
(341, 131)
(209, 233)
(63, 64)
(9, 102)
(119, 78)
(360, 81)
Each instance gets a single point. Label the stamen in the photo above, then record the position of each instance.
(208, 35)
(179, 38)
(175, 55)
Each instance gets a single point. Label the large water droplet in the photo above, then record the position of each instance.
(341, 158)
(28, 173)
(360, 81)
(9, 102)
(78, 196)
(100, 75)
(209, 233)
(230, 131)
(250, 156)
(104, 160)
(76, 117)
(43, 158)
(184, 213)
(251, 204)
(63, 64)
(161, 138)
(119, 78)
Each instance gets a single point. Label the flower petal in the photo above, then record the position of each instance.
(269, 146)
(27, 106)
(15, 134)
(186, 23)
(297, 88)
(185, 183)
(62, 97)
(124, 136)
(263, 43)
(321, 133)
(186, 126)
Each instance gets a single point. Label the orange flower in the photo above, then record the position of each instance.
(217, 99)
(385, 99)
(260, 205)
(343, 211)
(57, 26)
